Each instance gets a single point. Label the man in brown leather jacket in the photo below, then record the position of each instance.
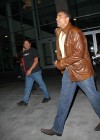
(74, 60)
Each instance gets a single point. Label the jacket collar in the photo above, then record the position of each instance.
(67, 28)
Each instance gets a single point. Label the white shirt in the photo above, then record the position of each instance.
(62, 37)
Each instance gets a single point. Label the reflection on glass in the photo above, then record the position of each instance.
(46, 54)
(98, 42)
(90, 44)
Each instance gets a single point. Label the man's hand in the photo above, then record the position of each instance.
(28, 72)
(55, 63)
(59, 65)
(33, 66)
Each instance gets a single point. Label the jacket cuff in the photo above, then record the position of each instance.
(60, 64)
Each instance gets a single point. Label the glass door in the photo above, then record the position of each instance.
(93, 39)
(48, 55)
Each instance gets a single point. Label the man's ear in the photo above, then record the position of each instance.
(67, 20)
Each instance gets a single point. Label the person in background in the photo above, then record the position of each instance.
(32, 73)
(74, 60)
(16, 63)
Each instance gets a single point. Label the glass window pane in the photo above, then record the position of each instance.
(16, 23)
(18, 37)
(98, 42)
(46, 54)
(3, 24)
(2, 12)
(15, 7)
(47, 21)
(30, 34)
(90, 44)
(27, 19)
(6, 55)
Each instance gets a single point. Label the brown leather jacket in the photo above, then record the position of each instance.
(77, 60)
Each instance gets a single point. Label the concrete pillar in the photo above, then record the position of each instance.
(10, 26)
(37, 30)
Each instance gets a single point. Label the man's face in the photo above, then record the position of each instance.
(26, 45)
(62, 20)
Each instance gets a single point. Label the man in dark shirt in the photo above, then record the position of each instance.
(33, 73)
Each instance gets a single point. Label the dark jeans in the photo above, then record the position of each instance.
(67, 94)
(29, 81)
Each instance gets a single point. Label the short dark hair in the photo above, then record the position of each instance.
(65, 12)
(26, 40)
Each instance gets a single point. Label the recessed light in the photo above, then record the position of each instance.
(6, 36)
(74, 19)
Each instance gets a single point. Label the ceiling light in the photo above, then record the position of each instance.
(74, 19)
(6, 36)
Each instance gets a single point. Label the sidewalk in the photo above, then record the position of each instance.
(25, 123)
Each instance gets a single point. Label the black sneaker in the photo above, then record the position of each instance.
(45, 100)
(22, 103)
